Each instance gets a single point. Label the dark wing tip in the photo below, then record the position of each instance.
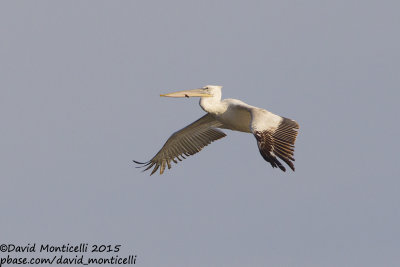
(278, 144)
(142, 164)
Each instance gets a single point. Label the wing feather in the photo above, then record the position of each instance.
(185, 142)
(275, 137)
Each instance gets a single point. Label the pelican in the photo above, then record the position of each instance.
(275, 135)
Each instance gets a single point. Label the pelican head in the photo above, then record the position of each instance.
(206, 91)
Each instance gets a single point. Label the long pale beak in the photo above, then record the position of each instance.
(188, 93)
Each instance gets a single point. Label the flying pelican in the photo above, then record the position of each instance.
(275, 135)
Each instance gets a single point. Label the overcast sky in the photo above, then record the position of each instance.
(79, 100)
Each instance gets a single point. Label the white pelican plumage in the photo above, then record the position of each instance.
(275, 135)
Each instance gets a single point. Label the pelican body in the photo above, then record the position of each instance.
(275, 135)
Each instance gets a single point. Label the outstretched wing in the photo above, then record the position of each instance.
(275, 137)
(185, 142)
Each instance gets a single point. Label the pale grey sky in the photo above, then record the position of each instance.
(79, 99)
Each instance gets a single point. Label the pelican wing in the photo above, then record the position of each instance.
(185, 142)
(275, 137)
